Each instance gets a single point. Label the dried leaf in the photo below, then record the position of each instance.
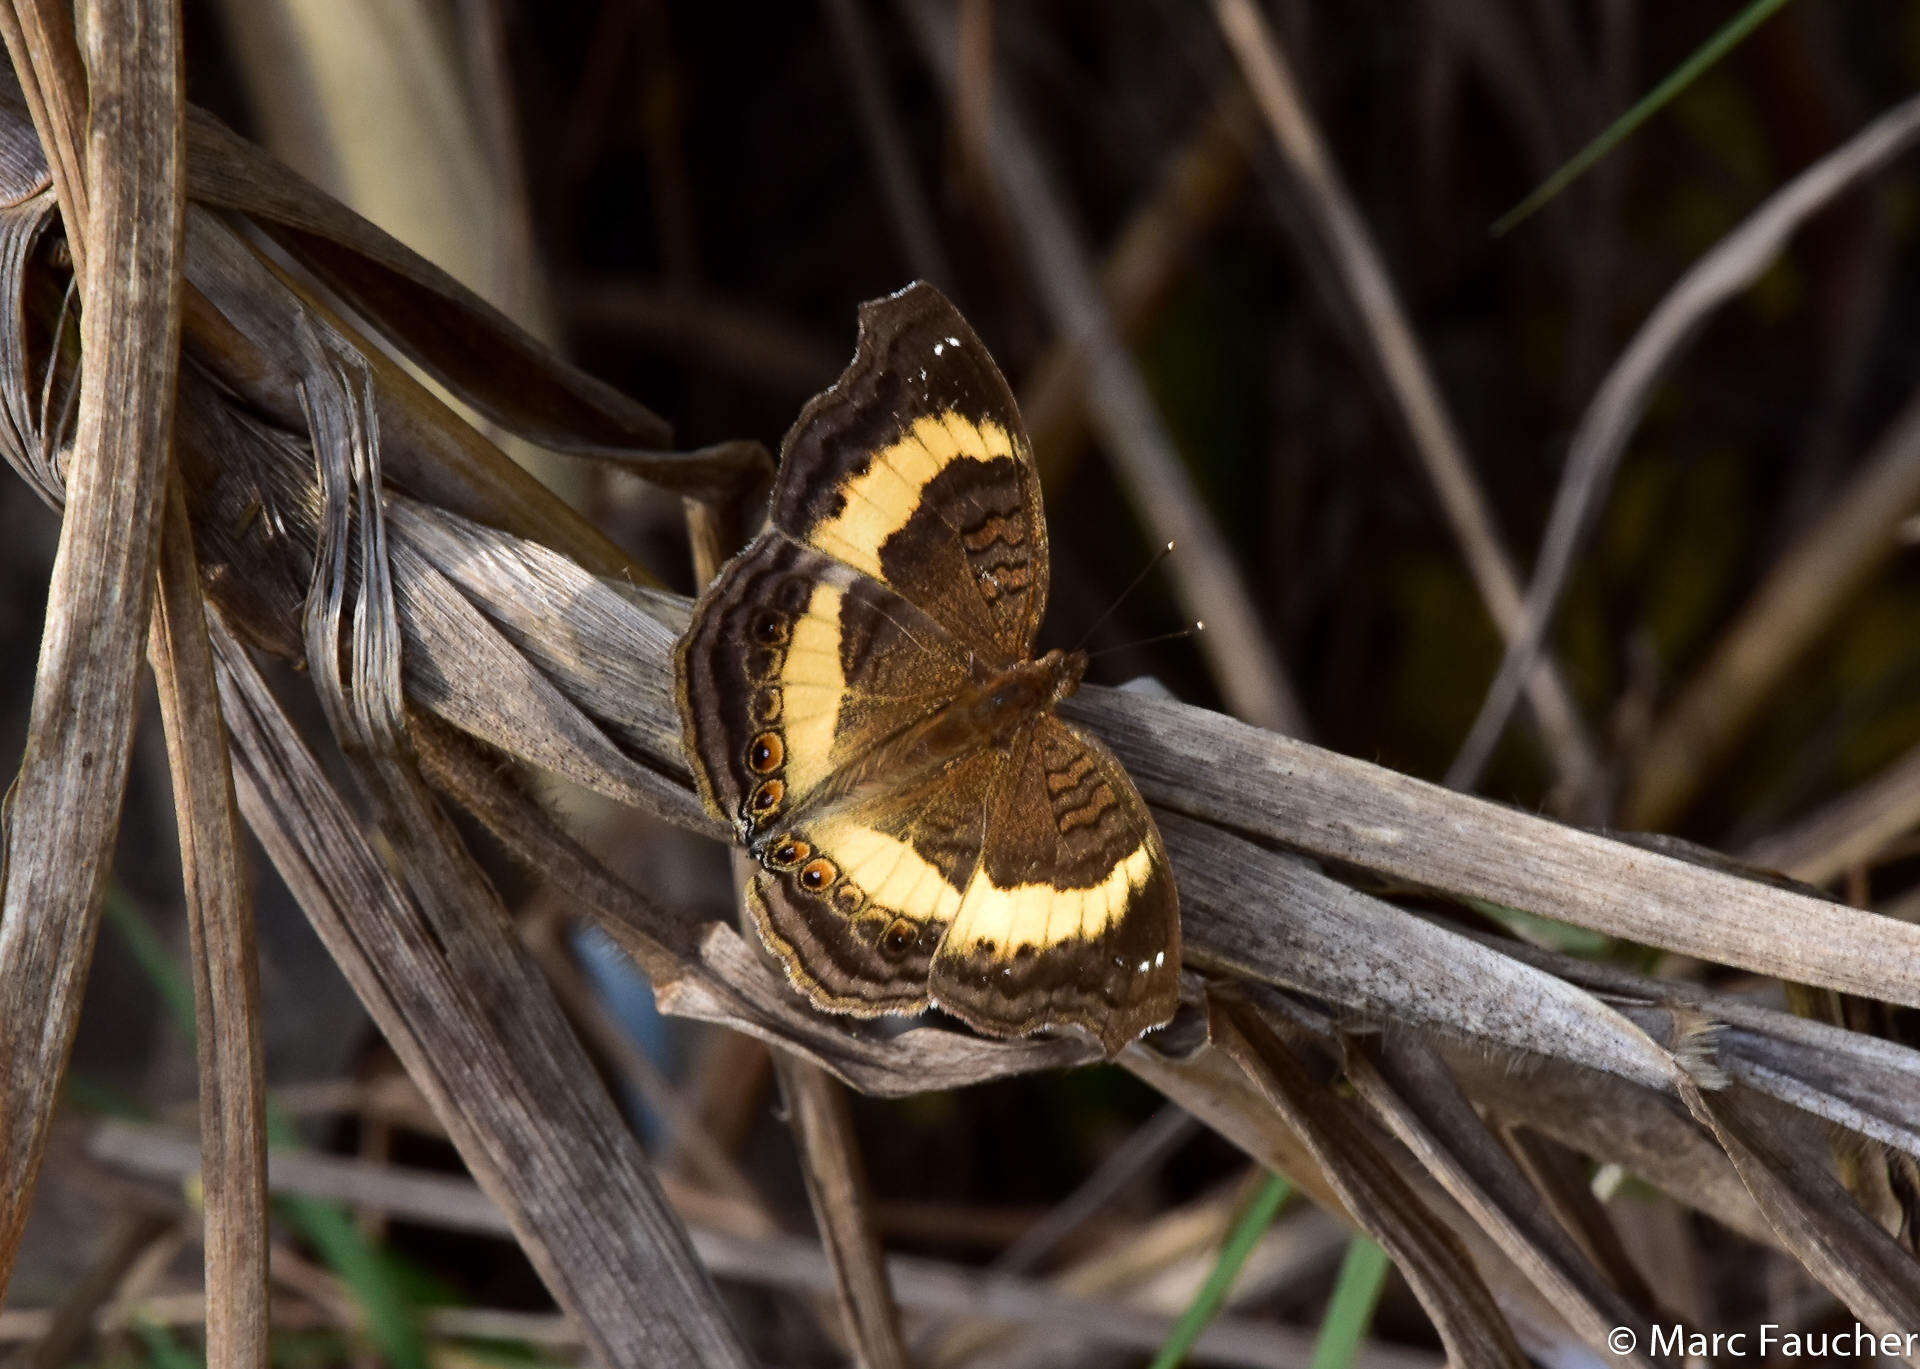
(64, 809)
(1424, 1250)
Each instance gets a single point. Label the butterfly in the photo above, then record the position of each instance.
(860, 700)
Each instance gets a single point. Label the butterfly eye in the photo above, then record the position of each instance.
(767, 797)
(766, 753)
(790, 852)
(818, 874)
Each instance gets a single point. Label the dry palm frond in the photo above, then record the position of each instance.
(451, 612)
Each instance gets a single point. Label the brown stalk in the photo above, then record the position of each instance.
(1155, 248)
(843, 1206)
(245, 327)
(1785, 1165)
(432, 951)
(1560, 1178)
(1396, 351)
(1235, 645)
(1847, 832)
(64, 809)
(225, 974)
(685, 1131)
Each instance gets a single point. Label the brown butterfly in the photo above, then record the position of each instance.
(860, 699)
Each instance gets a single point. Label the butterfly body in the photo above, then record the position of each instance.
(861, 700)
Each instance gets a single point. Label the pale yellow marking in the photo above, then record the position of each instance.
(879, 502)
(909, 884)
(813, 666)
(1040, 915)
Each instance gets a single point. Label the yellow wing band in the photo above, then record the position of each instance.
(881, 499)
(1043, 915)
(814, 684)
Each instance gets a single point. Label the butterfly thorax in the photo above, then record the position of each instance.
(993, 707)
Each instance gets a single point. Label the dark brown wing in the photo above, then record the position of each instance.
(795, 670)
(1071, 916)
(916, 470)
(854, 899)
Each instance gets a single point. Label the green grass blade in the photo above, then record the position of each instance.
(1251, 1225)
(150, 953)
(372, 1276)
(1350, 1310)
(163, 1350)
(1678, 80)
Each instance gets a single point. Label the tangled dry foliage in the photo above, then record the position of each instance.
(318, 505)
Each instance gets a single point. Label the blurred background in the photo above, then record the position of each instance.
(691, 200)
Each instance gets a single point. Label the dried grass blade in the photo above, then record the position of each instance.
(1426, 1252)
(46, 62)
(1224, 772)
(1783, 1161)
(608, 647)
(23, 162)
(1848, 831)
(478, 352)
(1797, 602)
(518, 701)
(225, 963)
(783, 1262)
(1344, 947)
(1860, 1082)
(30, 446)
(1672, 757)
(243, 317)
(1394, 348)
(551, 1147)
(582, 1210)
(64, 808)
(1608, 1119)
(1409, 1087)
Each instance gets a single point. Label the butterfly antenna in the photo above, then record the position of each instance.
(1145, 571)
(1194, 631)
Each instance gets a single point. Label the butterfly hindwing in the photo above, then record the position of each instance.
(855, 898)
(915, 469)
(1070, 916)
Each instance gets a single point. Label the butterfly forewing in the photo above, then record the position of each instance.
(914, 469)
(795, 670)
(1070, 915)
